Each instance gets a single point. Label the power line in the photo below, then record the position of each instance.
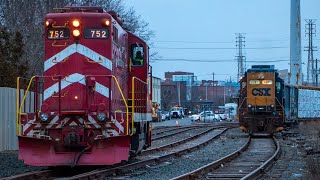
(212, 48)
(217, 42)
(217, 60)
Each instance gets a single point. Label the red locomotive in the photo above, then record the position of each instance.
(92, 106)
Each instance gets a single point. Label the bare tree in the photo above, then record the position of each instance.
(26, 16)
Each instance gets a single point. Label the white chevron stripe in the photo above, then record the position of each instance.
(114, 132)
(54, 120)
(102, 90)
(107, 63)
(81, 49)
(119, 126)
(93, 122)
(25, 127)
(59, 57)
(73, 78)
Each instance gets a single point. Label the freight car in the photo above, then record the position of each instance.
(92, 106)
(261, 100)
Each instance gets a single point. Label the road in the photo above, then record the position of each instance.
(173, 122)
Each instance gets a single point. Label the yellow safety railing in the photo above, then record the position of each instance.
(125, 103)
(133, 102)
(19, 109)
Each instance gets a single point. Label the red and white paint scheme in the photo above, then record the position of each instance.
(92, 105)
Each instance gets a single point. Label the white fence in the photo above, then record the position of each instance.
(8, 138)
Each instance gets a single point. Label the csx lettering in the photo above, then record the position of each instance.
(261, 91)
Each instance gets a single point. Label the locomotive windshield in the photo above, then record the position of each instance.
(254, 82)
(267, 82)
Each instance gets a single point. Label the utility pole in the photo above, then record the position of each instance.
(240, 57)
(178, 93)
(310, 30)
(213, 88)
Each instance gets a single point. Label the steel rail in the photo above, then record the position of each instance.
(266, 165)
(100, 174)
(44, 174)
(214, 165)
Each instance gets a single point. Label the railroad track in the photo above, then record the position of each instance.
(177, 130)
(146, 158)
(249, 162)
(172, 131)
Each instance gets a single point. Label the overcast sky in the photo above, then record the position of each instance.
(204, 30)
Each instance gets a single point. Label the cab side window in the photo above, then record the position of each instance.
(278, 87)
(137, 55)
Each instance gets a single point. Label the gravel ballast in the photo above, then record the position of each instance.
(227, 143)
(10, 165)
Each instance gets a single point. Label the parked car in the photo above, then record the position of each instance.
(165, 115)
(210, 117)
(196, 117)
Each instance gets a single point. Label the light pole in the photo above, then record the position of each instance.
(178, 93)
(224, 93)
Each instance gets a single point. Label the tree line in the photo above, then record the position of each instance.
(22, 26)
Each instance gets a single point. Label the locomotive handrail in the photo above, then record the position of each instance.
(65, 24)
(280, 103)
(132, 122)
(19, 108)
(242, 103)
(59, 45)
(91, 61)
(23, 99)
(125, 103)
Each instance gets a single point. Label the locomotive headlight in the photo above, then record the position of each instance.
(47, 23)
(76, 23)
(249, 106)
(44, 117)
(76, 33)
(107, 22)
(101, 116)
(272, 105)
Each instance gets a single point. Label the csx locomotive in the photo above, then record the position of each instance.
(261, 100)
(92, 106)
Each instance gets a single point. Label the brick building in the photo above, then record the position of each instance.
(182, 88)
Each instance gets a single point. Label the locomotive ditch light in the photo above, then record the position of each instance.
(76, 33)
(48, 22)
(76, 97)
(272, 105)
(76, 23)
(44, 117)
(101, 116)
(249, 106)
